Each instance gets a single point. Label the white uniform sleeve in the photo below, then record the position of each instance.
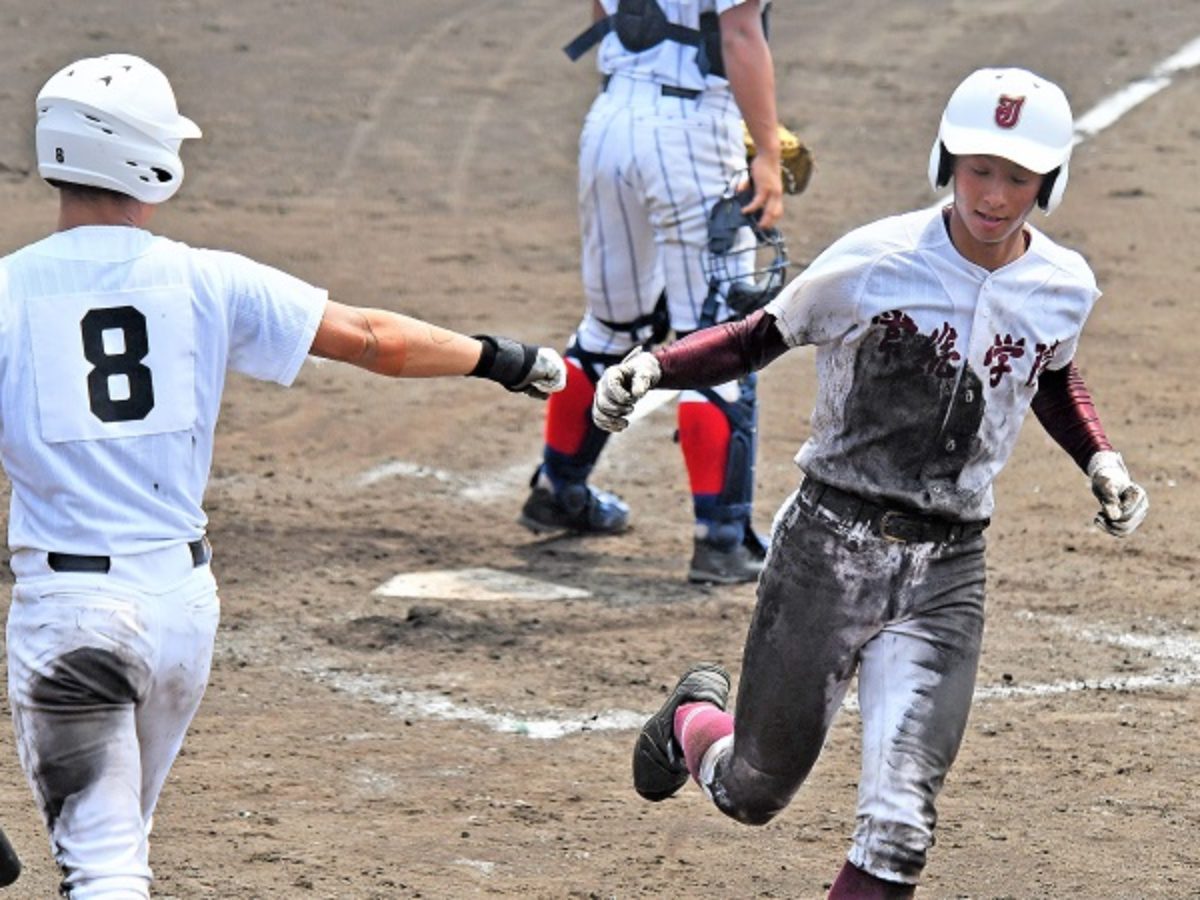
(273, 318)
(1066, 293)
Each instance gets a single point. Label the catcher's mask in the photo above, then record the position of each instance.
(744, 263)
(1013, 114)
(111, 122)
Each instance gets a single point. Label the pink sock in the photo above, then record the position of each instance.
(697, 727)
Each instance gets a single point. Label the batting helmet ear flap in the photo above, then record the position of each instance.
(941, 165)
(1054, 185)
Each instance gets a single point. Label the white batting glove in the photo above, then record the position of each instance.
(548, 375)
(1123, 504)
(622, 386)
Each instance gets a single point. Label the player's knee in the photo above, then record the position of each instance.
(753, 810)
(754, 800)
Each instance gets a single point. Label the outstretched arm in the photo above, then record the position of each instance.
(399, 346)
(704, 358)
(392, 344)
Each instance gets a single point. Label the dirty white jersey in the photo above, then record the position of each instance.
(927, 362)
(114, 344)
(669, 62)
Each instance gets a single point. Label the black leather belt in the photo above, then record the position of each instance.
(668, 90)
(74, 562)
(890, 524)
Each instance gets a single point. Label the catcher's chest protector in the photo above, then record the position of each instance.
(642, 24)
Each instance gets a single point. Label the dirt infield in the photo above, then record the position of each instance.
(420, 157)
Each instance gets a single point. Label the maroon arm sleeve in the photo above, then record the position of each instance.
(722, 353)
(1064, 407)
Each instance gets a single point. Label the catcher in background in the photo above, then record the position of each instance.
(114, 349)
(936, 333)
(659, 149)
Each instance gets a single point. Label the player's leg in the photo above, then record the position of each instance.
(799, 657)
(75, 672)
(560, 496)
(185, 621)
(622, 286)
(718, 436)
(916, 682)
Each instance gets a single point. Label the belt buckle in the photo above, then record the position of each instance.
(903, 525)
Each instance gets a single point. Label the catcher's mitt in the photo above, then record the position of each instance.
(795, 158)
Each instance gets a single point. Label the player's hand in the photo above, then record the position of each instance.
(621, 386)
(767, 181)
(1123, 504)
(547, 376)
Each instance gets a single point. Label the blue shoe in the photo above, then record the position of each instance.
(576, 507)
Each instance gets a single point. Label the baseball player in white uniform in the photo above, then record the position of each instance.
(936, 332)
(660, 146)
(114, 346)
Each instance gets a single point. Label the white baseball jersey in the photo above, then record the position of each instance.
(114, 344)
(928, 362)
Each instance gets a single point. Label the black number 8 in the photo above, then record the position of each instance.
(132, 325)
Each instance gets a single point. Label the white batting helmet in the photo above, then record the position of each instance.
(112, 122)
(1013, 114)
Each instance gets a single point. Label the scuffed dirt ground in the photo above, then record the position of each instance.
(420, 157)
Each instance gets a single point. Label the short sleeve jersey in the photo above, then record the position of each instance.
(927, 363)
(668, 62)
(114, 347)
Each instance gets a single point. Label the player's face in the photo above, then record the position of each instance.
(992, 197)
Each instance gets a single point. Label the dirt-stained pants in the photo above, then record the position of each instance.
(908, 617)
(105, 672)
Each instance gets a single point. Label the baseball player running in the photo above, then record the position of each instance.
(114, 345)
(659, 147)
(936, 332)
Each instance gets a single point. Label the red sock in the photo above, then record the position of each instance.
(569, 411)
(704, 438)
(854, 884)
(697, 727)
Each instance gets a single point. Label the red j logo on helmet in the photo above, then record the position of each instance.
(1008, 111)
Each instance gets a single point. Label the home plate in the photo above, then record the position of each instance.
(475, 584)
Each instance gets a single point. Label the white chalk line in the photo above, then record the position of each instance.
(431, 705)
(1180, 655)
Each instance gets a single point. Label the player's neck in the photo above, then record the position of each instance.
(986, 254)
(74, 212)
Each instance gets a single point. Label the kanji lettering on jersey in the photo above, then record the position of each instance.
(1002, 350)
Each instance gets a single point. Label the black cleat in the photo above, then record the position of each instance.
(658, 767)
(10, 863)
(736, 564)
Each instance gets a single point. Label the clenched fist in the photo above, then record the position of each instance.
(1123, 504)
(622, 386)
